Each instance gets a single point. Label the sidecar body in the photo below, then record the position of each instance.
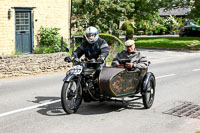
(120, 82)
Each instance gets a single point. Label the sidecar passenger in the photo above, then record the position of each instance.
(136, 59)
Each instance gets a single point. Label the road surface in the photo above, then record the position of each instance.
(32, 104)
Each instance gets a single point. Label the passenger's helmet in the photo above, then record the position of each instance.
(92, 34)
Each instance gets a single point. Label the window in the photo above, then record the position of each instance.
(22, 21)
(193, 28)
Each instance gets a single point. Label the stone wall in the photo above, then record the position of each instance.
(20, 65)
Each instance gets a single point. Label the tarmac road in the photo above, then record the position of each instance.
(32, 104)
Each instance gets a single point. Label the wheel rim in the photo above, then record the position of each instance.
(150, 92)
(72, 95)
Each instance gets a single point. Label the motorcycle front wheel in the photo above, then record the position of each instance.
(71, 96)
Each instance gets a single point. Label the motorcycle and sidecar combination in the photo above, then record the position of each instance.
(83, 83)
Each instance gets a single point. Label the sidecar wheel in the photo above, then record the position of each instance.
(71, 96)
(149, 92)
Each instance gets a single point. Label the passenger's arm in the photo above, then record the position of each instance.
(142, 62)
(115, 61)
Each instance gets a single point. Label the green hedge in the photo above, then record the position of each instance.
(110, 38)
(128, 27)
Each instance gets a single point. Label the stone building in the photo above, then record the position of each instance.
(20, 21)
(179, 12)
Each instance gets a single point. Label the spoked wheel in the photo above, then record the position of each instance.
(71, 96)
(149, 92)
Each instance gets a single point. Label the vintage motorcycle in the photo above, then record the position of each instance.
(84, 81)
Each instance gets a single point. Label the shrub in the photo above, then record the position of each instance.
(49, 41)
(43, 50)
(128, 27)
(121, 32)
(197, 21)
(160, 29)
(48, 36)
(170, 24)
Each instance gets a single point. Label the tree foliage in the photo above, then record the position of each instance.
(103, 14)
(146, 9)
(106, 14)
(195, 13)
(146, 13)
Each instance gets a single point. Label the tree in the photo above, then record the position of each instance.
(146, 13)
(106, 14)
(103, 14)
(195, 9)
(146, 9)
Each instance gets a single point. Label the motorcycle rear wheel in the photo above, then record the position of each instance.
(71, 96)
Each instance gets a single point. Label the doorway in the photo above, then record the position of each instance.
(23, 31)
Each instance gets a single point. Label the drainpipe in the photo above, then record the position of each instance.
(70, 20)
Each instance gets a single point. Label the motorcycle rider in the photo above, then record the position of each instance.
(137, 60)
(93, 47)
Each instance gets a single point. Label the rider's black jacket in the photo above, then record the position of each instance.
(98, 49)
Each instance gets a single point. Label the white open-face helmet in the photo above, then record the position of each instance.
(92, 34)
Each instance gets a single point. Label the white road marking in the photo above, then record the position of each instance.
(170, 75)
(196, 70)
(43, 104)
(28, 108)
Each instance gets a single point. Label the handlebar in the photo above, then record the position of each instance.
(80, 61)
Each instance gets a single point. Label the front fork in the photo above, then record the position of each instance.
(69, 78)
(78, 84)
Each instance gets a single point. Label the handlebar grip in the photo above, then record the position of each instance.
(68, 59)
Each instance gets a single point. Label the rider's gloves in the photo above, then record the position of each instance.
(101, 59)
(68, 59)
(75, 59)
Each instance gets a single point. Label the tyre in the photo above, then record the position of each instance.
(148, 92)
(71, 96)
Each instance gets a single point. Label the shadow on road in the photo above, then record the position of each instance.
(54, 109)
(92, 108)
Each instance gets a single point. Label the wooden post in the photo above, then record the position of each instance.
(61, 44)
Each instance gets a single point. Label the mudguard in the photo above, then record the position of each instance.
(69, 77)
(146, 80)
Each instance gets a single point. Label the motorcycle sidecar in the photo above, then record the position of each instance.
(119, 82)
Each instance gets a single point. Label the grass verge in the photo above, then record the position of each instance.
(180, 43)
